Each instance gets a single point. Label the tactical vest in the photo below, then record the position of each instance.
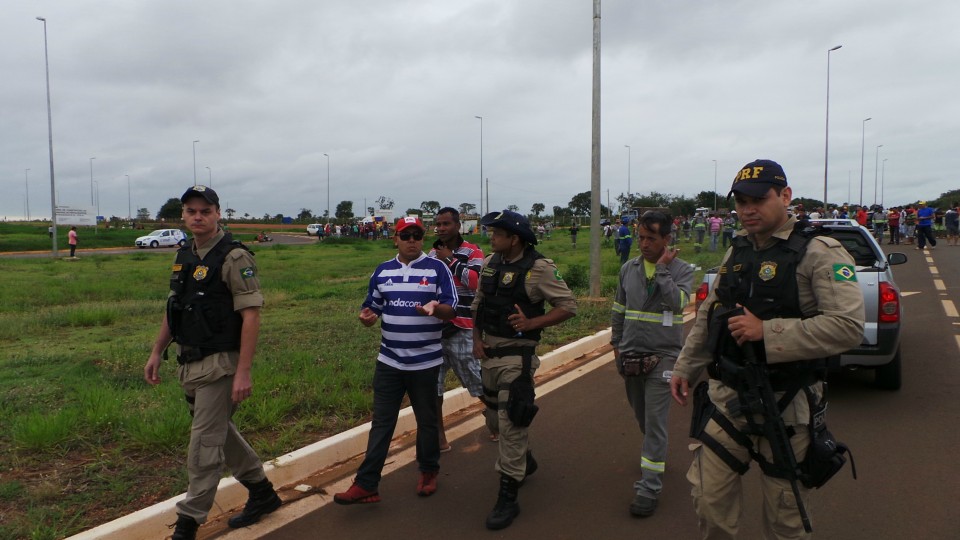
(200, 312)
(764, 282)
(503, 287)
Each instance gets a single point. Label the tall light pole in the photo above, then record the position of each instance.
(129, 213)
(595, 160)
(96, 218)
(209, 176)
(876, 165)
(863, 134)
(883, 170)
(481, 168)
(629, 160)
(328, 187)
(26, 189)
(91, 180)
(53, 185)
(195, 161)
(826, 137)
(714, 185)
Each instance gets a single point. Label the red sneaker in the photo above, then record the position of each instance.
(356, 495)
(427, 485)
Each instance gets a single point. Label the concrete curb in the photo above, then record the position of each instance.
(153, 522)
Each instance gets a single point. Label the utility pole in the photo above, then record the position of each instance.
(595, 161)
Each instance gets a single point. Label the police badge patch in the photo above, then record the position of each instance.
(768, 270)
(200, 273)
(507, 278)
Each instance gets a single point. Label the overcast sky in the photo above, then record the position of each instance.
(390, 89)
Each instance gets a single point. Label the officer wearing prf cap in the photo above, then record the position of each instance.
(800, 304)
(509, 316)
(213, 313)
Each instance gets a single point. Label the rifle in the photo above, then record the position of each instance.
(758, 397)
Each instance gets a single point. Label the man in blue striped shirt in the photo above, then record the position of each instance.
(414, 294)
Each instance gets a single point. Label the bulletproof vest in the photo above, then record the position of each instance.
(503, 287)
(200, 312)
(764, 282)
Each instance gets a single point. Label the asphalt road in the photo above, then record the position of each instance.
(588, 446)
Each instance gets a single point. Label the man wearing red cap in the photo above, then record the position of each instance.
(413, 294)
(784, 299)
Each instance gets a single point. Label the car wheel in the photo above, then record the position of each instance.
(888, 377)
(154, 244)
(181, 243)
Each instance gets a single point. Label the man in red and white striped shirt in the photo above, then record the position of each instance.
(464, 260)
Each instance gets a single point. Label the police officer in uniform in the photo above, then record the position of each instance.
(509, 315)
(213, 313)
(800, 304)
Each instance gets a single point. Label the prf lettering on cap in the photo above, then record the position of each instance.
(749, 173)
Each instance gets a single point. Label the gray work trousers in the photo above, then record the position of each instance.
(214, 439)
(649, 396)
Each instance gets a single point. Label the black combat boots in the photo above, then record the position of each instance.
(263, 500)
(185, 529)
(506, 508)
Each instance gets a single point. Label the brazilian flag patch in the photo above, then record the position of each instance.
(844, 272)
(247, 272)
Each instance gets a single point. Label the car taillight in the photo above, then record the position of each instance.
(889, 304)
(702, 293)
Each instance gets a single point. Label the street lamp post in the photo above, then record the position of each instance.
(876, 165)
(863, 133)
(826, 137)
(96, 219)
(714, 185)
(328, 187)
(209, 175)
(883, 170)
(91, 180)
(53, 185)
(481, 167)
(629, 200)
(26, 189)
(195, 161)
(129, 213)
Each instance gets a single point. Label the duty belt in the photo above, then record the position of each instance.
(500, 352)
(193, 354)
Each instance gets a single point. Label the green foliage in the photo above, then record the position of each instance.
(172, 209)
(577, 276)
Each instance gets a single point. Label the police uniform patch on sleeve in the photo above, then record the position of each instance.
(247, 273)
(844, 272)
(556, 274)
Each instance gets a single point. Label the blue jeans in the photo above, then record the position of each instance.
(389, 386)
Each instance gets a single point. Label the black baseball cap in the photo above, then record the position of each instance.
(207, 193)
(757, 177)
(510, 221)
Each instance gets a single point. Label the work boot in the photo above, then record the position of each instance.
(643, 506)
(506, 508)
(185, 529)
(427, 485)
(262, 500)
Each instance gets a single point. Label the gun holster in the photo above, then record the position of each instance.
(520, 406)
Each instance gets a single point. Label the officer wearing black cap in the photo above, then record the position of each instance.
(799, 304)
(213, 313)
(509, 315)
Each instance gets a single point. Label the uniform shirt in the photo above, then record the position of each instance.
(409, 340)
(465, 267)
(648, 294)
(543, 283)
(239, 274)
(834, 324)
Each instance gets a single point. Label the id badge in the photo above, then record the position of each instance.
(668, 318)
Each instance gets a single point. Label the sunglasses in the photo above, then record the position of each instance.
(407, 236)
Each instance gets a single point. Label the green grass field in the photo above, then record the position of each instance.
(83, 439)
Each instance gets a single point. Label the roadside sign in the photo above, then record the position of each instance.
(77, 215)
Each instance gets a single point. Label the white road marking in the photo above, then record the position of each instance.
(938, 283)
(950, 308)
(909, 293)
(934, 271)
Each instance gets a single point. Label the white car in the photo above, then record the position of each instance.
(163, 237)
(313, 228)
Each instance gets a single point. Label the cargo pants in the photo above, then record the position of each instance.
(214, 439)
(514, 440)
(717, 493)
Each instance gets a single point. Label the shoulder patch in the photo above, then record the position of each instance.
(844, 272)
(247, 272)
